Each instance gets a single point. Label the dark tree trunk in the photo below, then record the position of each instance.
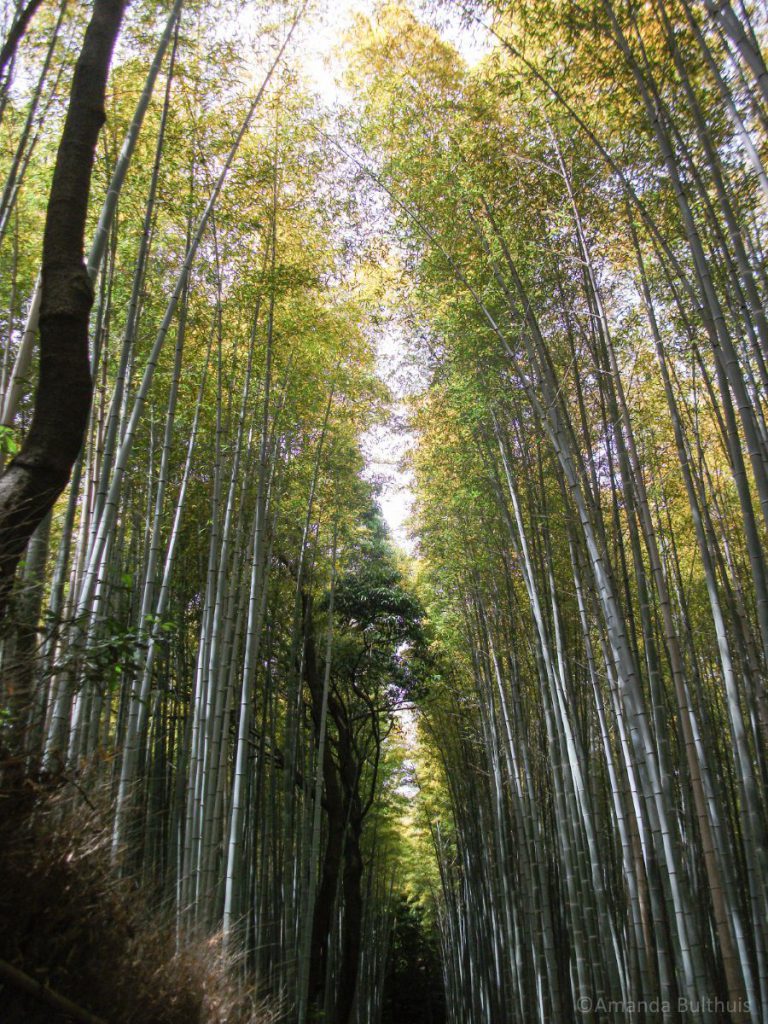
(39, 473)
(353, 919)
(325, 901)
(343, 859)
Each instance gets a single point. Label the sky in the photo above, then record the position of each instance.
(384, 447)
(325, 32)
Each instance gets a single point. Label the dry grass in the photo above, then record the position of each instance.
(67, 921)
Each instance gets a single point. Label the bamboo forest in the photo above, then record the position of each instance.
(384, 511)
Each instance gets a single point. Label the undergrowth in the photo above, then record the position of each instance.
(68, 921)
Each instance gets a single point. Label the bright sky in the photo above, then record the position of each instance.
(384, 447)
(325, 32)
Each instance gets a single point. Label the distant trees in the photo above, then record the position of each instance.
(413, 984)
(377, 642)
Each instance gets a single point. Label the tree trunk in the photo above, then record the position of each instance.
(35, 478)
(353, 920)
